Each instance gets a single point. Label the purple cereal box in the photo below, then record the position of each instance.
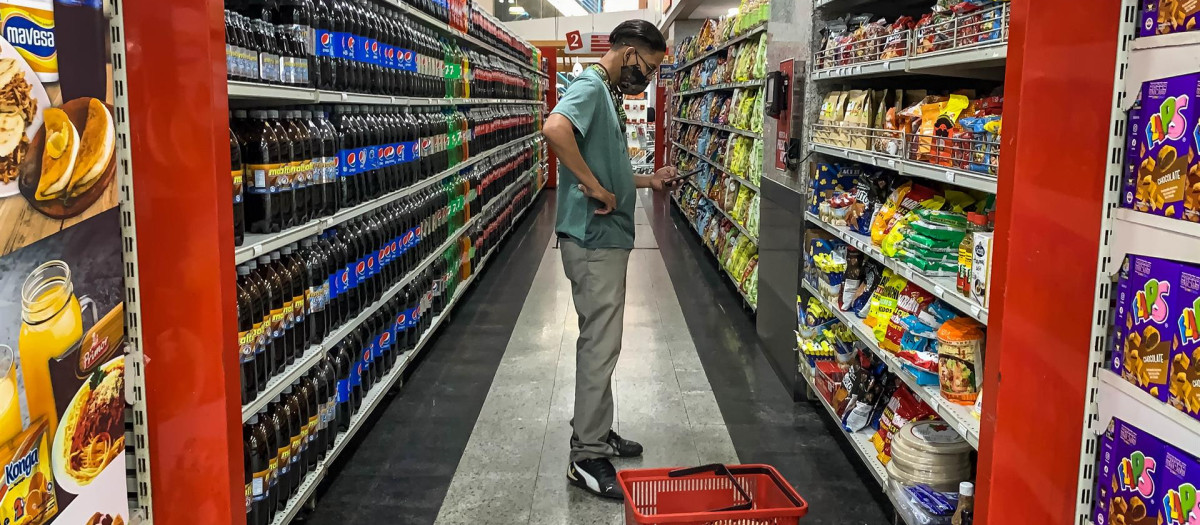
(1180, 478)
(1105, 467)
(1163, 139)
(1185, 356)
(1119, 330)
(1129, 177)
(1161, 17)
(1149, 327)
(1133, 475)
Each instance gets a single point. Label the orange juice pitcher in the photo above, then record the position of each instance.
(51, 328)
(10, 402)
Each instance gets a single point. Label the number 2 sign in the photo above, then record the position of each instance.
(574, 41)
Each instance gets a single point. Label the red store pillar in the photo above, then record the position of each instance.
(1058, 95)
(178, 103)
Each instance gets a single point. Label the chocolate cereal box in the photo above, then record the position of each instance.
(1181, 476)
(1105, 467)
(1144, 353)
(1185, 356)
(1134, 477)
(1161, 17)
(1164, 145)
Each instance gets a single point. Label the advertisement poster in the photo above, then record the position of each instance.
(62, 368)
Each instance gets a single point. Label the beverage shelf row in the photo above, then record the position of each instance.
(943, 288)
(471, 39)
(372, 399)
(258, 244)
(957, 416)
(240, 90)
(721, 127)
(744, 182)
(733, 280)
(316, 352)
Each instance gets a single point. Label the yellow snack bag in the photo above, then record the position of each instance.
(884, 216)
(29, 497)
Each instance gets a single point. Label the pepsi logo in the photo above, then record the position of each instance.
(366, 45)
(345, 278)
(326, 39)
(361, 267)
(385, 338)
(389, 52)
(367, 354)
(350, 41)
(352, 157)
(400, 319)
(374, 46)
(418, 230)
(408, 237)
(389, 151)
(416, 148)
(424, 143)
(371, 262)
(408, 55)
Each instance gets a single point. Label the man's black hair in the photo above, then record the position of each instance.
(638, 33)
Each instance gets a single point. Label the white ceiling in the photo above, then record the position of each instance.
(712, 9)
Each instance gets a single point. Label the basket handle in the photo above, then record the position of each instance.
(717, 468)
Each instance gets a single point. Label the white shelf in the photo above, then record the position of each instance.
(860, 441)
(722, 87)
(1119, 398)
(944, 288)
(256, 244)
(745, 182)
(957, 416)
(964, 178)
(313, 354)
(986, 56)
(1145, 234)
(240, 90)
(372, 399)
(732, 279)
(747, 34)
(1161, 56)
(738, 225)
(721, 127)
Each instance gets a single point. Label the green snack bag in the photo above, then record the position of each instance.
(950, 219)
(929, 242)
(939, 232)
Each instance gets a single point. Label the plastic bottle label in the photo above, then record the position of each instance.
(326, 44)
(343, 391)
(246, 346)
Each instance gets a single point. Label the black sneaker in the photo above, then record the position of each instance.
(597, 476)
(623, 448)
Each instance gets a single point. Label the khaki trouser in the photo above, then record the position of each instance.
(598, 287)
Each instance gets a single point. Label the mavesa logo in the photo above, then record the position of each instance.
(29, 35)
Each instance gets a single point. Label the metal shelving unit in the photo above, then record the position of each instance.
(256, 244)
(314, 353)
(923, 170)
(725, 86)
(859, 441)
(941, 287)
(373, 398)
(732, 279)
(744, 182)
(720, 127)
(957, 416)
(239, 90)
(744, 36)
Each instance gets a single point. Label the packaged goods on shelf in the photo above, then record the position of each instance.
(751, 14)
(928, 453)
(1171, 16)
(861, 38)
(1130, 484)
(1162, 167)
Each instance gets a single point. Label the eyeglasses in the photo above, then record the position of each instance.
(643, 63)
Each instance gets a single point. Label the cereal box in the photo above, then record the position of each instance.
(1161, 17)
(1150, 333)
(1185, 356)
(1105, 467)
(1180, 477)
(1134, 476)
(1165, 144)
(1132, 139)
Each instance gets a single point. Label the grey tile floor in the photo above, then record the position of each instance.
(513, 469)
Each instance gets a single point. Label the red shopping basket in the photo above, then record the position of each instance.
(710, 495)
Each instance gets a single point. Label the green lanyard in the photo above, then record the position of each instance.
(618, 99)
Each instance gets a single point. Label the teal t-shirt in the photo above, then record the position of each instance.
(589, 107)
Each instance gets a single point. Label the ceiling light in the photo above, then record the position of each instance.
(732, 11)
(568, 7)
(516, 10)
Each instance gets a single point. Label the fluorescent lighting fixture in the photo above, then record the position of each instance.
(516, 10)
(732, 11)
(568, 7)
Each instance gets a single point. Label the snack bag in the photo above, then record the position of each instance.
(882, 218)
(883, 303)
(30, 497)
(911, 301)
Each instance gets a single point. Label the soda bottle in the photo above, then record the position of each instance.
(306, 392)
(296, 21)
(327, 373)
(300, 280)
(245, 340)
(258, 470)
(315, 320)
(237, 174)
(299, 166)
(324, 66)
(293, 414)
(263, 162)
(340, 357)
(330, 149)
(287, 310)
(273, 322)
(283, 450)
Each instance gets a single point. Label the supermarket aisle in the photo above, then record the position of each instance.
(479, 433)
(514, 467)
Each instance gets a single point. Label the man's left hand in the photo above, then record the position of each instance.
(665, 179)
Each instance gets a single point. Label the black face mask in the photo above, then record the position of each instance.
(632, 81)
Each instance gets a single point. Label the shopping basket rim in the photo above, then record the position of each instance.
(625, 478)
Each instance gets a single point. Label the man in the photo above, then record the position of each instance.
(596, 200)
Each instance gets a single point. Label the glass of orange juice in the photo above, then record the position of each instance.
(10, 401)
(51, 328)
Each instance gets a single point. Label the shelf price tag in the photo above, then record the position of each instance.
(949, 176)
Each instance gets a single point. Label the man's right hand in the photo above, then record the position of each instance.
(608, 201)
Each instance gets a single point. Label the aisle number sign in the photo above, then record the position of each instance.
(587, 43)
